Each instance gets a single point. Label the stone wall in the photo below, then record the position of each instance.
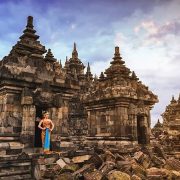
(28, 124)
(110, 122)
(122, 121)
(10, 114)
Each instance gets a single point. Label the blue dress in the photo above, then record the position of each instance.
(47, 140)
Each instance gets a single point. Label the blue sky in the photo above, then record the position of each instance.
(147, 32)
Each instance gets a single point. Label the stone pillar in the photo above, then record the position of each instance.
(134, 128)
(92, 129)
(3, 111)
(98, 119)
(28, 121)
(64, 123)
(121, 121)
(147, 129)
(133, 121)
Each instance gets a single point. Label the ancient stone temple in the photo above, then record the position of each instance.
(118, 105)
(115, 105)
(157, 129)
(31, 82)
(171, 116)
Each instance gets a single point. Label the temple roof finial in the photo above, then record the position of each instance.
(173, 100)
(49, 56)
(49, 53)
(74, 47)
(117, 54)
(88, 73)
(74, 53)
(101, 76)
(134, 76)
(88, 68)
(30, 22)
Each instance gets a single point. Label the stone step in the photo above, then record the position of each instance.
(14, 164)
(8, 138)
(10, 148)
(15, 167)
(12, 173)
(17, 177)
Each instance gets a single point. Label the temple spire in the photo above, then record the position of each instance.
(49, 56)
(88, 73)
(101, 77)
(60, 63)
(117, 67)
(29, 22)
(74, 46)
(117, 58)
(29, 43)
(74, 53)
(116, 54)
(29, 32)
(134, 77)
(88, 68)
(173, 100)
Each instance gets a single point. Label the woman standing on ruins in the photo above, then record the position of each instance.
(46, 125)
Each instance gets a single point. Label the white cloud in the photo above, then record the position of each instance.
(150, 47)
(148, 26)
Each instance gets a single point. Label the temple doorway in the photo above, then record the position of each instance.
(141, 130)
(37, 141)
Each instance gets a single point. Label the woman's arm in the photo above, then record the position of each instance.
(39, 125)
(52, 125)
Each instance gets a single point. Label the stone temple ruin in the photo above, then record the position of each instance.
(90, 114)
(171, 117)
(168, 132)
(115, 105)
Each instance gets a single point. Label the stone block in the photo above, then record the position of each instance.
(61, 163)
(50, 160)
(2, 152)
(4, 145)
(118, 175)
(16, 145)
(67, 160)
(80, 159)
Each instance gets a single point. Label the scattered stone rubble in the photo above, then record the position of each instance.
(143, 162)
